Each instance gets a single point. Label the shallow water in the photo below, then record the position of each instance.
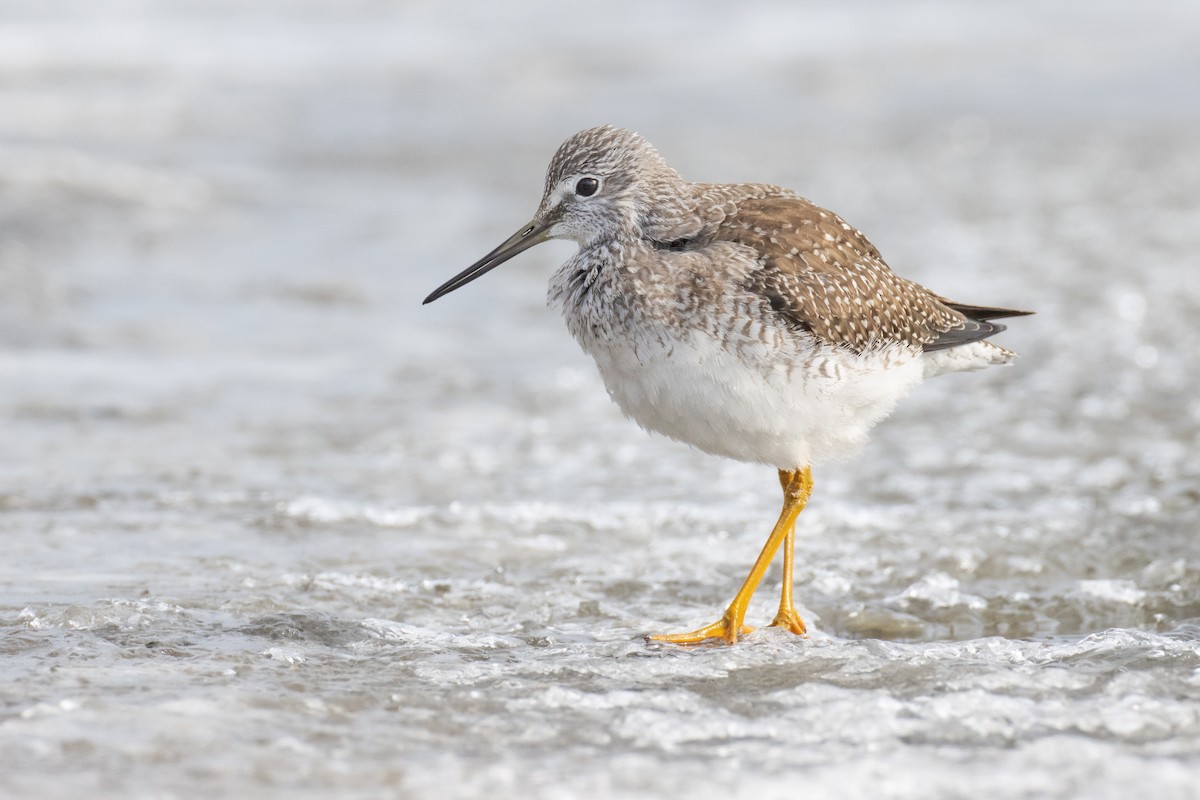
(273, 528)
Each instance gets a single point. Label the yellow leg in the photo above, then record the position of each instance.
(797, 486)
(788, 617)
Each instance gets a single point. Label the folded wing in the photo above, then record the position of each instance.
(821, 274)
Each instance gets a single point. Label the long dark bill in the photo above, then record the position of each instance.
(533, 233)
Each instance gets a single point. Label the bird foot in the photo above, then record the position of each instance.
(789, 619)
(725, 628)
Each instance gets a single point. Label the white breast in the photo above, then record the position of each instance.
(787, 409)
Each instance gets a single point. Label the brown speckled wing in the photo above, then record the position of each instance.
(822, 275)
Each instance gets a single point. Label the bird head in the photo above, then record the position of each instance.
(601, 183)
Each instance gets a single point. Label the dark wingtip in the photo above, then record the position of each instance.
(976, 327)
(973, 330)
(986, 312)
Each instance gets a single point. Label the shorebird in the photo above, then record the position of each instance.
(740, 319)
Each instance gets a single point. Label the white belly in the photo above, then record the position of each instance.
(785, 410)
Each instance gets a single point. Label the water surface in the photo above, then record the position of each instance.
(272, 528)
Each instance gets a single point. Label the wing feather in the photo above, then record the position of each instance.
(822, 275)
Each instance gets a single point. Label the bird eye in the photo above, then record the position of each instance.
(587, 187)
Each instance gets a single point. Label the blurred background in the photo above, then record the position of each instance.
(359, 547)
